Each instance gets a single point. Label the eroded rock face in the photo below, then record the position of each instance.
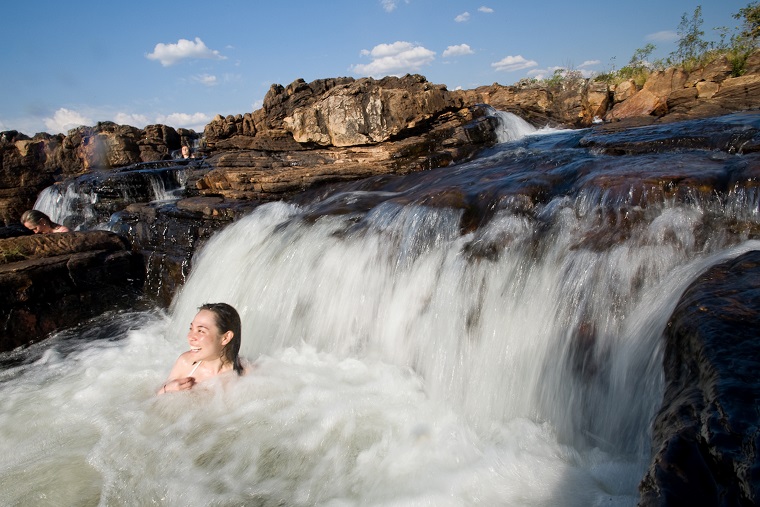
(449, 137)
(707, 434)
(675, 95)
(27, 166)
(50, 282)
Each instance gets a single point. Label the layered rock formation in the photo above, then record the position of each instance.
(343, 128)
(54, 281)
(668, 95)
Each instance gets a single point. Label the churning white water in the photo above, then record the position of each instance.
(392, 366)
(396, 362)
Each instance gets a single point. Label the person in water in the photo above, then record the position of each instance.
(39, 223)
(214, 339)
(186, 153)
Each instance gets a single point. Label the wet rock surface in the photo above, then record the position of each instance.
(706, 438)
(29, 165)
(623, 171)
(54, 281)
(167, 235)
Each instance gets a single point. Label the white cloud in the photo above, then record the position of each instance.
(549, 72)
(589, 63)
(195, 121)
(462, 17)
(206, 79)
(134, 120)
(64, 120)
(461, 49)
(663, 36)
(394, 59)
(169, 54)
(388, 5)
(513, 63)
(543, 73)
(485, 9)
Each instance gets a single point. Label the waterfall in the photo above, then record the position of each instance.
(87, 202)
(61, 201)
(396, 358)
(512, 127)
(507, 322)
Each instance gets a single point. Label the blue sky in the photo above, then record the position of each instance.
(141, 62)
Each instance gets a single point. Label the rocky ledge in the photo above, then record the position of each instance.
(54, 281)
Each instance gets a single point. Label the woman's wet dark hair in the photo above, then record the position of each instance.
(228, 319)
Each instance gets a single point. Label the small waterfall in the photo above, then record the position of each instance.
(88, 201)
(512, 127)
(60, 202)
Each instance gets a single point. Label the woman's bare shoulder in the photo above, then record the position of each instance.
(182, 365)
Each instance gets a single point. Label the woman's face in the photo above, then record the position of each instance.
(205, 338)
(40, 228)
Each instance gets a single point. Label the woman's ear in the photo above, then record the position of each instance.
(226, 337)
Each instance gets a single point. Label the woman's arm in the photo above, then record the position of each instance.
(177, 379)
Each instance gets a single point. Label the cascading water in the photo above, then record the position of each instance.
(396, 360)
(86, 202)
(59, 202)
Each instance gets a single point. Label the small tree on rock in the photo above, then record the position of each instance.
(691, 44)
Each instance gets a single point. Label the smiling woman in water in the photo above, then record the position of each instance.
(214, 339)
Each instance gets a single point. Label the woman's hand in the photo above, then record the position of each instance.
(178, 384)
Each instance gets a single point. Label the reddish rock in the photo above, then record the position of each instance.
(643, 103)
(738, 93)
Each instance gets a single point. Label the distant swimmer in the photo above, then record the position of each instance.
(39, 223)
(214, 339)
(186, 153)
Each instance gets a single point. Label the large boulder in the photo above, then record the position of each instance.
(337, 112)
(707, 434)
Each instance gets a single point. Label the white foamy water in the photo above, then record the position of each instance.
(67, 203)
(396, 362)
(59, 201)
(391, 367)
(512, 127)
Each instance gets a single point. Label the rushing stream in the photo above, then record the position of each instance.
(397, 361)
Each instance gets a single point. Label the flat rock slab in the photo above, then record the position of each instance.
(54, 281)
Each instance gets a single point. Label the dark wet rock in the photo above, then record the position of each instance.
(735, 133)
(168, 234)
(707, 434)
(54, 281)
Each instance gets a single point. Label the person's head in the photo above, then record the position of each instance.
(222, 321)
(185, 151)
(37, 222)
